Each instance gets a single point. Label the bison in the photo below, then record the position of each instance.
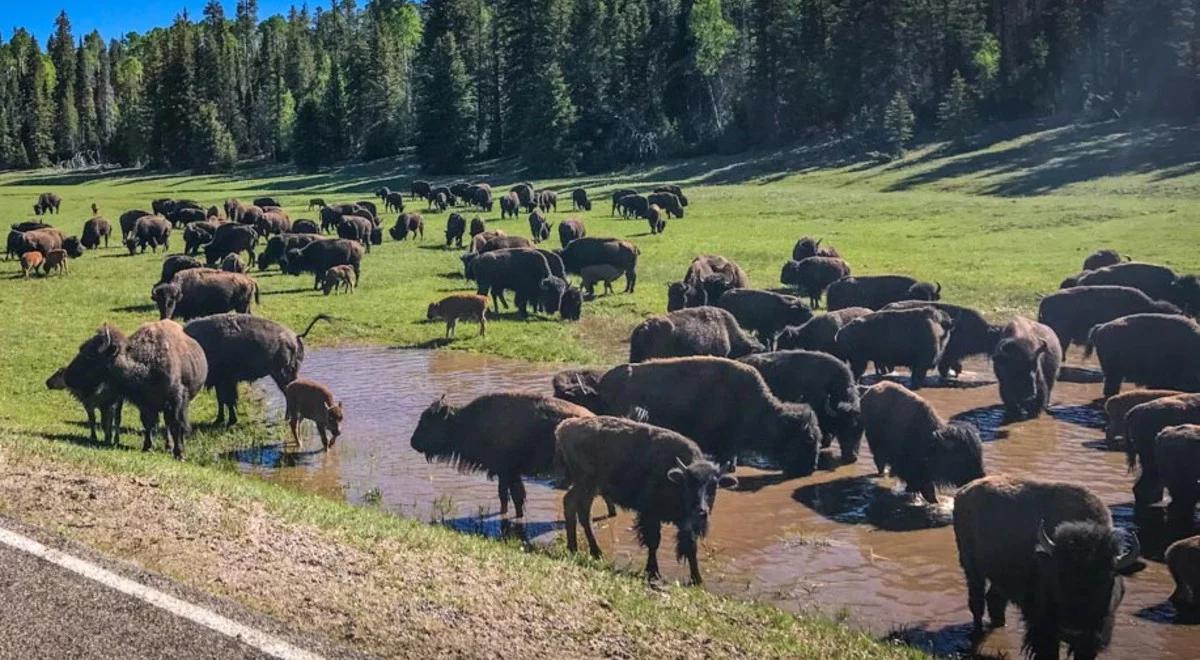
(505, 435)
(656, 472)
(1183, 560)
(539, 229)
(764, 313)
(915, 338)
(972, 335)
(877, 291)
(94, 230)
(308, 399)
(150, 231)
(319, 256)
(812, 276)
(1026, 363)
(808, 247)
(456, 226)
(1153, 350)
(459, 307)
(1177, 454)
(579, 200)
(47, 202)
(94, 396)
(278, 246)
(589, 251)
(819, 333)
(1073, 312)
(202, 291)
(230, 238)
(569, 230)
(1117, 407)
(922, 449)
(177, 263)
(667, 202)
(1102, 258)
(1144, 422)
(691, 331)
(408, 224)
(520, 270)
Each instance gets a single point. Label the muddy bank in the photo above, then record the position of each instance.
(839, 541)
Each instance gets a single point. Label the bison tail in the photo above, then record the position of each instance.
(1090, 346)
(319, 317)
(257, 301)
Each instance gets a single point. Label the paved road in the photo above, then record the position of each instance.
(50, 611)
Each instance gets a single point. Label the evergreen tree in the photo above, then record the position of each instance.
(85, 100)
(547, 147)
(898, 122)
(66, 118)
(308, 143)
(956, 112)
(35, 110)
(445, 108)
(213, 149)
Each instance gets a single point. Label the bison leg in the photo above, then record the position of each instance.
(996, 604)
(630, 280)
(294, 424)
(612, 508)
(917, 378)
(650, 533)
(91, 415)
(1183, 502)
(1112, 384)
(583, 511)
(149, 425)
(570, 515)
(502, 487)
(1148, 489)
(516, 490)
(1042, 641)
(975, 592)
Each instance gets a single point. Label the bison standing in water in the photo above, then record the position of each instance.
(1154, 350)
(1026, 363)
(1048, 547)
(691, 331)
(158, 368)
(505, 435)
(923, 450)
(914, 338)
(658, 473)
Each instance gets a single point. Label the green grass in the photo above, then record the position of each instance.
(997, 226)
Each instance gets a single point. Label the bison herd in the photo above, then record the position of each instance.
(728, 369)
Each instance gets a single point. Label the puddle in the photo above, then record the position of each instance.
(840, 541)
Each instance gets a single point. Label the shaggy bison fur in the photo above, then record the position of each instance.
(1144, 422)
(764, 313)
(820, 332)
(1073, 312)
(691, 331)
(200, 292)
(812, 276)
(1153, 350)
(1026, 363)
(319, 256)
(914, 338)
(972, 335)
(877, 291)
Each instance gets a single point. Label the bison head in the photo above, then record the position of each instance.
(434, 435)
(1017, 370)
(166, 297)
(570, 307)
(579, 387)
(793, 439)
(89, 368)
(550, 293)
(925, 291)
(1077, 582)
(376, 236)
(73, 247)
(681, 295)
(1185, 293)
(333, 420)
(715, 286)
(399, 231)
(698, 483)
(131, 244)
(957, 455)
(468, 260)
(292, 262)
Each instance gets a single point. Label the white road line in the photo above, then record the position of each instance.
(253, 637)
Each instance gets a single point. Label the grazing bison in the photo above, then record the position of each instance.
(197, 292)
(319, 256)
(456, 226)
(681, 295)
(603, 273)
(667, 202)
(579, 387)
(547, 200)
(1153, 350)
(230, 238)
(420, 189)
(1048, 547)
(186, 216)
(150, 231)
(656, 217)
(44, 241)
(1144, 422)
(589, 251)
(922, 449)
(1073, 312)
(764, 313)
(232, 263)
(674, 190)
(824, 383)
(656, 472)
(177, 263)
(338, 279)
(1117, 407)
(811, 276)
(616, 200)
(308, 399)
(439, 201)
(94, 230)
(707, 278)
(569, 230)
(505, 435)
(819, 333)
(972, 335)
(316, 203)
(1177, 454)
(723, 405)
(1102, 258)
(510, 205)
(196, 235)
(249, 215)
(579, 200)
(356, 228)
(539, 229)
(877, 291)
(478, 226)
(1183, 560)
(128, 221)
(406, 224)
(394, 201)
(241, 349)
(520, 270)
(490, 241)
(47, 203)
(480, 196)
(305, 227)
(1026, 362)
(636, 206)
(459, 307)
(525, 196)
(914, 338)
(277, 246)
(808, 247)
(270, 224)
(94, 396)
(691, 331)
(158, 368)
(266, 201)
(1153, 280)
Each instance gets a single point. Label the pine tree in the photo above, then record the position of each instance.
(308, 145)
(445, 108)
(336, 134)
(36, 110)
(66, 118)
(85, 83)
(898, 122)
(547, 147)
(956, 112)
(106, 108)
(213, 149)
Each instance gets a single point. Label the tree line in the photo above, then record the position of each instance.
(570, 85)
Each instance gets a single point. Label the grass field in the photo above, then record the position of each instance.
(997, 226)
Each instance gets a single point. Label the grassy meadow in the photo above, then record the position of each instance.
(997, 225)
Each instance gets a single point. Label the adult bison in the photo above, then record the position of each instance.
(510, 205)
(1048, 547)
(150, 231)
(408, 224)
(616, 199)
(579, 200)
(520, 270)
(241, 348)
(319, 256)
(1072, 313)
(47, 202)
(667, 202)
(177, 263)
(1144, 423)
(808, 246)
(819, 333)
(876, 291)
(915, 338)
(420, 189)
(812, 276)
(1102, 258)
(270, 224)
(197, 292)
(197, 234)
(708, 277)
(1160, 351)
(158, 368)
(589, 251)
(456, 226)
(674, 190)
(230, 238)
(539, 228)
(569, 230)
(764, 313)
(972, 335)
(278, 246)
(1026, 361)
(95, 230)
(691, 331)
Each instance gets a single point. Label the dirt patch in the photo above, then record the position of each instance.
(392, 596)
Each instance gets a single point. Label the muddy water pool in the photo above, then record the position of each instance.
(841, 542)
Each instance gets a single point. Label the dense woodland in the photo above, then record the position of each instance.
(570, 85)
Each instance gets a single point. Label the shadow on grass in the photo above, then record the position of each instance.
(135, 309)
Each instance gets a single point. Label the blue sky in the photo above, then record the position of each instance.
(114, 18)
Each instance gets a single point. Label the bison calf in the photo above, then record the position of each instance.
(656, 472)
(30, 262)
(923, 450)
(460, 307)
(338, 278)
(311, 400)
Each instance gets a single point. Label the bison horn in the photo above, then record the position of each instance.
(818, 243)
(939, 288)
(1045, 545)
(1131, 553)
(680, 463)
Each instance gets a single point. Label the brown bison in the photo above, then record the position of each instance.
(877, 291)
(1026, 363)
(691, 331)
(812, 276)
(1153, 350)
(915, 338)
